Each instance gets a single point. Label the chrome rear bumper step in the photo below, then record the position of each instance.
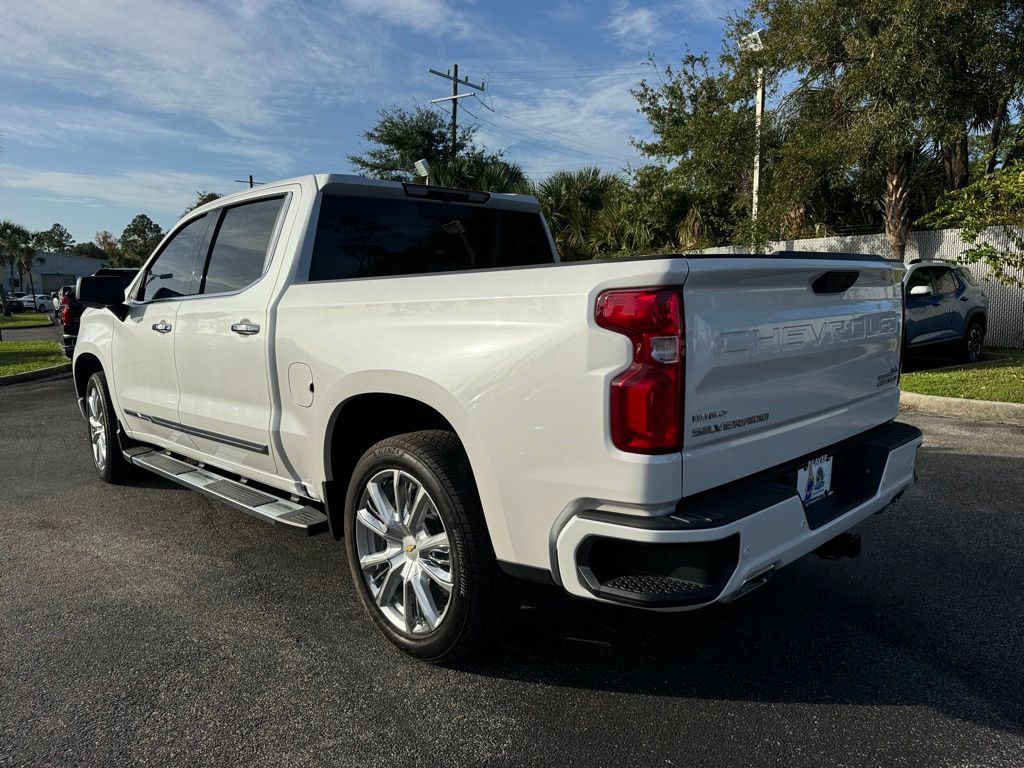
(265, 506)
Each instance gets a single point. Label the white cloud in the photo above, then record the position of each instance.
(63, 127)
(244, 67)
(167, 192)
(549, 128)
(418, 15)
(641, 28)
(635, 27)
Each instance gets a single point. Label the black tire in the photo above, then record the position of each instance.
(112, 468)
(481, 595)
(973, 344)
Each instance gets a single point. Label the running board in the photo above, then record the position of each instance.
(272, 509)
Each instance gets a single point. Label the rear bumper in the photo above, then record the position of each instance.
(717, 549)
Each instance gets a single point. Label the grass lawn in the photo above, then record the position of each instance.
(1000, 376)
(23, 319)
(22, 356)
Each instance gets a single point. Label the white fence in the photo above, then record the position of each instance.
(1006, 304)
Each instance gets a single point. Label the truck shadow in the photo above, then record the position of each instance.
(922, 618)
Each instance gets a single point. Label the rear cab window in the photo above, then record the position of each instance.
(360, 237)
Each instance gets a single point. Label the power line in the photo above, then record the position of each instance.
(621, 68)
(545, 144)
(562, 137)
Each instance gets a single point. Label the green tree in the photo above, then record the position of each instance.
(480, 170)
(16, 251)
(873, 101)
(572, 202)
(399, 138)
(652, 213)
(137, 241)
(110, 246)
(89, 250)
(14, 238)
(992, 205)
(202, 198)
(27, 258)
(56, 239)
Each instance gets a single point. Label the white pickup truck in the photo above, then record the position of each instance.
(411, 369)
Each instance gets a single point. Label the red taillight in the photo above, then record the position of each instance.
(647, 398)
(65, 309)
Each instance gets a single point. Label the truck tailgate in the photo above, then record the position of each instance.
(785, 355)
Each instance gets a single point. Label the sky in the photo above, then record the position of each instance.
(119, 107)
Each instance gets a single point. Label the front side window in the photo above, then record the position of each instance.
(240, 245)
(170, 276)
(920, 276)
(370, 237)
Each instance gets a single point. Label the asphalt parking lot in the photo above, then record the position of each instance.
(146, 625)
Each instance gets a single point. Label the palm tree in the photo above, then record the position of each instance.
(13, 239)
(27, 259)
(572, 201)
(478, 171)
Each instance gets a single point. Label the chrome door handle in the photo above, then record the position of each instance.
(245, 329)
(162, 327)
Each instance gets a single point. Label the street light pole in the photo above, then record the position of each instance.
(753, 42)
(758, 112)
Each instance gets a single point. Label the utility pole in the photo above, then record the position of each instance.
(250, 182)
(453, 75)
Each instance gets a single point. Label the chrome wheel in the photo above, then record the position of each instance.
(97, 432)
(975, 340)
(403, 551)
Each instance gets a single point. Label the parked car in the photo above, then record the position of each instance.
(410, 368)
(944, 306)
(39, 302)
(71, 309)
(14, 301)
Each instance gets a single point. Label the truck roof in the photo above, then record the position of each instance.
(321, 180)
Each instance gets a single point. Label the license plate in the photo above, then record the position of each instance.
(814, 479)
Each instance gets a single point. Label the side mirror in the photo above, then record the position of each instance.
(100, 291)
(921, 290)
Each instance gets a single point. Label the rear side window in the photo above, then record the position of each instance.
(170, 276)
(945, 282)
(370, 237)
(240, 244)
(966, 276)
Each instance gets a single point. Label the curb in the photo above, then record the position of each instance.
(980, 410)
(53, 372)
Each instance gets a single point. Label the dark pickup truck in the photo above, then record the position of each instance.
(70, 310)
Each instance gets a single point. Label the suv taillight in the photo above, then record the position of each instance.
(647, 398)
(65, 309)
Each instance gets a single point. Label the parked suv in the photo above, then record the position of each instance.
(944, 305)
